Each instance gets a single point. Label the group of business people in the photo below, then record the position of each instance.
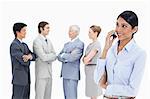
(118, 68)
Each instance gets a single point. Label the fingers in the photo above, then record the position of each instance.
(109, 39)
(110, 34)
(30, 56)
(25, 58)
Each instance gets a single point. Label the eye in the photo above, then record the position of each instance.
(124, 26)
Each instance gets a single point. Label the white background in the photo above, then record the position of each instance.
(61, 14)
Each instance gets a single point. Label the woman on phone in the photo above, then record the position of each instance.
(121, 65)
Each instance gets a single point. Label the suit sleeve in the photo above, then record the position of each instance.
(16, 53)
(47, 57)
(33, 55)
(74, 55)
(54, 57)
(59, 56)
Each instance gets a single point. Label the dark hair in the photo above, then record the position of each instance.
(42, 25)
(18, 27)
(96, 29)
(130, 17)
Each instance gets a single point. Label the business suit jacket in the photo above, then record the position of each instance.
(72, 53)
(45, 56)
(20, 69)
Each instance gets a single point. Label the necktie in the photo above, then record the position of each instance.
(46, 41)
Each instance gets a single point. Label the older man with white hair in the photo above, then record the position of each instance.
(70, 57)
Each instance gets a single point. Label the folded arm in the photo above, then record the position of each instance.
(89, 56)
(73, 55)
(49, 57)
(16, 52)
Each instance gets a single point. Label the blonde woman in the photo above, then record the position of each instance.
(90, 59)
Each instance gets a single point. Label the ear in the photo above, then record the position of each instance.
(135, 29)
(17, 31)
(41, 29)
(96, 33)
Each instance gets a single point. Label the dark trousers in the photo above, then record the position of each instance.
(21, 92)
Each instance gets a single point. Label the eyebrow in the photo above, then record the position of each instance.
(122, 23)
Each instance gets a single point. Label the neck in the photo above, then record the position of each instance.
(94, 39)
(122, 43)
(43, 34)
(19, 38)
(73, 38)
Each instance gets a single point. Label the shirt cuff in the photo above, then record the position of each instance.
(62, 55)
(99, 70)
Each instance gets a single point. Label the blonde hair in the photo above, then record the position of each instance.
(96, 28)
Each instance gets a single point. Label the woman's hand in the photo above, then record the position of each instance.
(108, 44)
(109, 40)
(103, 81)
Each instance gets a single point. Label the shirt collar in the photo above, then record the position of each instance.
(20, 40)
(74, 39)
(43, 37)
(129, 45)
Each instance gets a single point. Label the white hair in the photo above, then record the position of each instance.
(74, 28)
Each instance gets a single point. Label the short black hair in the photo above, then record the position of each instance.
(130, 17)
(17, 27)
(42, 25)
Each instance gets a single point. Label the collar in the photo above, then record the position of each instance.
(129, 45)
(43, 37)
(74, 39)
(19, 40)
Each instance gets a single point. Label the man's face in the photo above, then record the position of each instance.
(45, 30)
(22, 33)
(72, 33)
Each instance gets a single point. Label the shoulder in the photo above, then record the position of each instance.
(37, 40)
(80, 42)
(97, 43)
(49, 40)
(14, 43)
(139, 51)
(66, 43)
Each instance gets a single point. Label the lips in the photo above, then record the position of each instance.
(119, 34)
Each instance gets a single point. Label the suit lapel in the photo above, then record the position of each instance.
(70, 46)
(45, 45)
(20, 45)
(43, 41)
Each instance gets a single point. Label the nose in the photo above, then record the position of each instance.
(118, 29)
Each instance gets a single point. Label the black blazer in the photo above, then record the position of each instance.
(20, 69)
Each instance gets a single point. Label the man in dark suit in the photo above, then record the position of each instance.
(20, 58)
